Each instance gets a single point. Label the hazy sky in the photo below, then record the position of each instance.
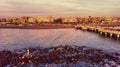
(59, 8)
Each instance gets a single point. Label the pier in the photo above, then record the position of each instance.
(100, 30)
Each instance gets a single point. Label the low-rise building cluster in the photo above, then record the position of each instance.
(65, 20)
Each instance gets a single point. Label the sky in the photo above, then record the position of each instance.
(59, 8)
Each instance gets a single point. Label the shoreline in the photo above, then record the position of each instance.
(52, 26)
(48, 26)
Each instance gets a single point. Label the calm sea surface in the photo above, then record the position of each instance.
(23, 38)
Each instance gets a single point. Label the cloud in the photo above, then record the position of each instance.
(60, 7)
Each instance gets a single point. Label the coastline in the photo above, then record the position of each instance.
(46, 26)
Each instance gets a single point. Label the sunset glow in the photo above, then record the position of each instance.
(59, 8)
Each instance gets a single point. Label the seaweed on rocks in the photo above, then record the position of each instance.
(62, 56)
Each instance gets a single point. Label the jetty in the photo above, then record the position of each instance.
(102, 30)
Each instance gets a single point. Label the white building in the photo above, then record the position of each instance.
(42, 19)
(31, 20)
(69, 20)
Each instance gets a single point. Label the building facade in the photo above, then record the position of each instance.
(69, 20)
(42, 19)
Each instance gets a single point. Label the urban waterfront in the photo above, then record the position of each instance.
(18, 40)
(60, 33)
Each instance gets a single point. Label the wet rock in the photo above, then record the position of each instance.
(71, 55)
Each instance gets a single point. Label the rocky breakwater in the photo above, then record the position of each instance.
(59, 56)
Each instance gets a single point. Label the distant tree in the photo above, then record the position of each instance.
(58, 20)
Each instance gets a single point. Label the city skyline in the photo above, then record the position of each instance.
(61, 8)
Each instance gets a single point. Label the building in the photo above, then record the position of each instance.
(96, 20)
(31, 20)
(42, 19)
(69, 20)
(118, 19)
(9, 20)
(50, 19)
(108, 19)
(115, 19)
(22, 20)
(82, 20)
(15, 20)
(3, 20)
